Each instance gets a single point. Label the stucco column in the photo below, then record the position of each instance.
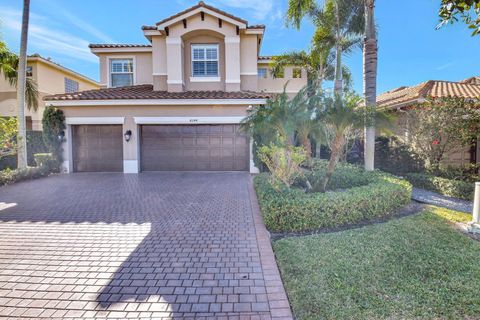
(159, 63)
(232, 63)
(131, 148)
(174, 64)
(253, 168)
(67, 153)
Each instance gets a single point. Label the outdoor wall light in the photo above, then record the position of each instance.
(61, 136)
(128, 135)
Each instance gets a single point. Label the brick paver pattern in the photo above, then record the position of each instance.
(152, 245)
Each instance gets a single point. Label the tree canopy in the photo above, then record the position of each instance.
(466, 10)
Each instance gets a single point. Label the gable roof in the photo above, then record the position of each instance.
(407, 96)
(199, 5)
(145, 91)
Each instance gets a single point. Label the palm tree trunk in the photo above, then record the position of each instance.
(336, 148)
(338, 82)
(21, 83)
(370, 58)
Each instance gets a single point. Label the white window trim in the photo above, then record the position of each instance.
(204, 79)
(108, 67)
(266, 73)
(194, 78)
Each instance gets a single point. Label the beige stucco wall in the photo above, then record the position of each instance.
(276, 85)
(49, 79)
(142, 65)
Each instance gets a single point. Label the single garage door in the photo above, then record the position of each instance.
(97, 148)
(194, 148)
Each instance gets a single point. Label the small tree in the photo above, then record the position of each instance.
(53, 128)
(8, 136)
(441, 126)
(467, 10)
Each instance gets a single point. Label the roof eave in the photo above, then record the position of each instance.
(144, 102)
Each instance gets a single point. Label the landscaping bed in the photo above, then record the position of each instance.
(448, 187)
(354, 196)
(409, 268)
(46, 165)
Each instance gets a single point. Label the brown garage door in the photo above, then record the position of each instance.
(194, 148)
(97, 148)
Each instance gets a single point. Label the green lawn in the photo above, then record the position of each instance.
(413, 267)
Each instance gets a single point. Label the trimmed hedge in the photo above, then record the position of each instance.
(448, 187)
(293, 210)
(46, 164)
(9, 176)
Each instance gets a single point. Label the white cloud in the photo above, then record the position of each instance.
(43, 37)
(445, 66)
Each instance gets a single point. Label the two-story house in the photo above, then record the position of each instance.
(51, 78)
(175, 103)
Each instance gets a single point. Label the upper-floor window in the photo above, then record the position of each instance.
(262, 73)
(71, 85)
(29, 71)
(297, 73)
(121, 72)
(205, 60)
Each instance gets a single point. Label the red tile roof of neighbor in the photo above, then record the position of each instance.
(200, 5)
(406, 96)
(113, 45)
(145, 91)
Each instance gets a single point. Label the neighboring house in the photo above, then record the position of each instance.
(405, 97)
(176, 103)
(51, 78)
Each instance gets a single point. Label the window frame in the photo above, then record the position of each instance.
(205, 77)
(29, 71)
(65, 79)
(265, 76)
(110, 71)
(299, 70)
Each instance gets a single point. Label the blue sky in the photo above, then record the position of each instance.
(411, 50)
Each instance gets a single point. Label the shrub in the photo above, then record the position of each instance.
(283, 163)
(391, 155)
(345, 176)
(8, 176)
(47, 160)
(293, 210)
(53, 127)
(448, 187)
(35, 145)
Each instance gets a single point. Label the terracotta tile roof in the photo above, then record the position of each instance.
(107, 45)
(146, 91)
(256, 26)
(405, 96)
(472, 80)
(265, 57)
(202, 4)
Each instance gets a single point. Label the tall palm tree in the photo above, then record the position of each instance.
(370, 58)
(340, 20)
(21, 83)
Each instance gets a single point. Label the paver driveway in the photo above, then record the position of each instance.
(153, 245)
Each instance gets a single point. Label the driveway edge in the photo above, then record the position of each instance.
(277, 297)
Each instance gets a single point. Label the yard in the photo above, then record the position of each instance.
(414, 267)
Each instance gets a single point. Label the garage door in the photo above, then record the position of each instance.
(97, 148)
(194, 148)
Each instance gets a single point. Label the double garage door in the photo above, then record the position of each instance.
(163, 148)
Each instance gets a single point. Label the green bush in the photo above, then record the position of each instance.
(9, 176)
(47, 160)
(448, 187)
(293, 210)
(345, 176)
(391, 155)
(35, 145)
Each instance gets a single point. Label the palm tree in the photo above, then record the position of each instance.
(284, 121)
(341, 118)
(370, 58)
(339, 20)
(8, 68)
(21, 83)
